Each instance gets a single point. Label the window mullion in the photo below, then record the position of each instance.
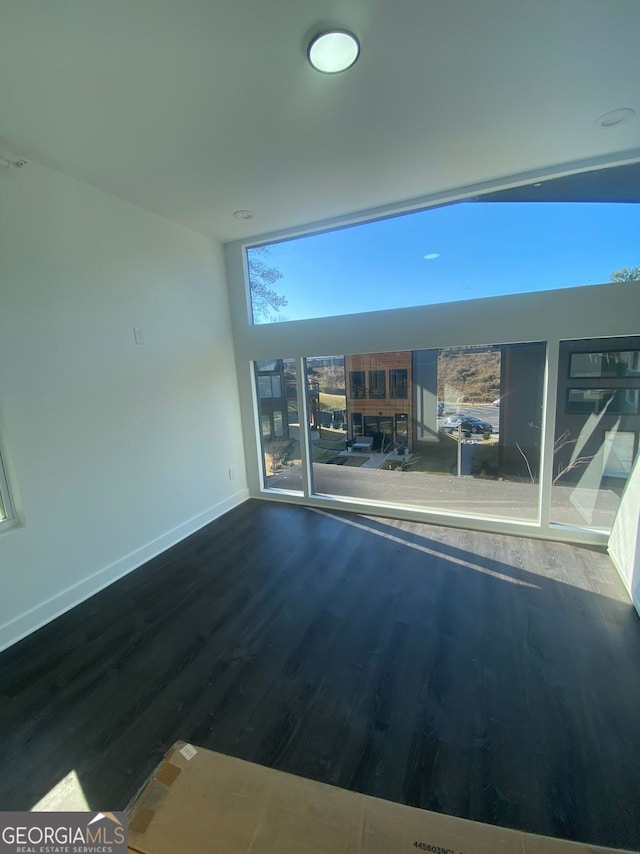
(303, 420)
(548, 432)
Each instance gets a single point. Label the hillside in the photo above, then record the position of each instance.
(469, 376)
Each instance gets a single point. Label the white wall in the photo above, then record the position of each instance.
(115, 450)
(624, 542)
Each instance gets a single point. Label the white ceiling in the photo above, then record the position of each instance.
(195, 108)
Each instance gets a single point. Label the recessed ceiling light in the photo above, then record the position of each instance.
(333, 51)
(614, 118)
(242, 214)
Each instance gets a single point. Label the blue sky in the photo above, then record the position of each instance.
(462, 251)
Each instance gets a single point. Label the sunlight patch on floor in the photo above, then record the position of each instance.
(401, 540)
(66, 796)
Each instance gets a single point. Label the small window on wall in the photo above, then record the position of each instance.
(269, 387)
(278, 425)
(357, 389)
(270, 378)
(398, 383)
(377, 385)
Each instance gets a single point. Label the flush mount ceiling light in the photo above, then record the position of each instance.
(243, 214)
(333, 51)
(615, 118)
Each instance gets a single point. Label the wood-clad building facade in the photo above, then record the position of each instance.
(379, 397)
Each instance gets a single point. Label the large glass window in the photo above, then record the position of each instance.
(466, 440)
(597, 429)
(488, 247)
(465, 430)
(277, 391)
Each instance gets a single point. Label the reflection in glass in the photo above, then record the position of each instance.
(596, 431)
(614, 401)
(625, 363)
(618, 453)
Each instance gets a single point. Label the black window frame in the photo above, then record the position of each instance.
(377, 389)
(357, 387)
(262, 380)
(398, 383)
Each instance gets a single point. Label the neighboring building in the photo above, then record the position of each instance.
(272, 396)
(379, 392)
(598, 409)
(394, 396)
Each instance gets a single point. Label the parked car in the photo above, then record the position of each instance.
(467, 424)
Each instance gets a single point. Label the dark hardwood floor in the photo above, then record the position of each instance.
(495, 678)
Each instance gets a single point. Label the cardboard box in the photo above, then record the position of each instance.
(200, 802)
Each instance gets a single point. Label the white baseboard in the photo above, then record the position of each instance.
(38, 616)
